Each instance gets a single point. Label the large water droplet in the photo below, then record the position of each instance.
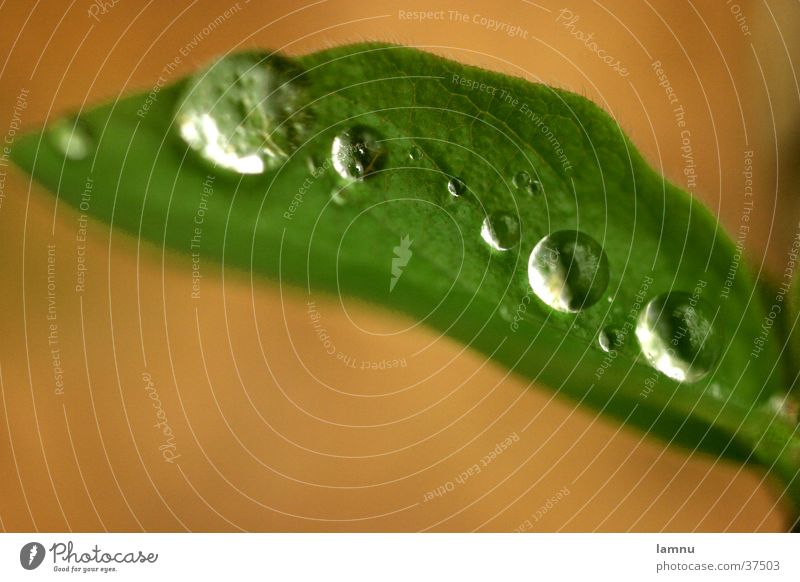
(245, 112)
(568, 270)
(677, 336)
(71, 137)
(456, 187)
(357, 152)
(500, 230)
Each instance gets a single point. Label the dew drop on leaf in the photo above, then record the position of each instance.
(71, 138)
(357, 152)
(245, 113)
(523, 182)
(313, 164)
(568, 270)
(337, 197)
(500, 230)
(415, 153)
(609, 339)
(677, 336)
(784, 406)
(716, 391)
(522, 179)
(456, 187)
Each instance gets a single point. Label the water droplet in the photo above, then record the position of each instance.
(522, 179)
(568, 270)
(715, 390)
(609, 339)
(337, 197)
(245, 112)
(677, 337)
(784, 406)
(456, 187)
(500, 230)
(415, 153)
(71, 137)
(357, 152)
(534, 187)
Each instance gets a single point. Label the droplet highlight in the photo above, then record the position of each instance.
(501, 231)
(568, 271)
(357, 152)
(415, 153)
(245, 113)
(678, 337)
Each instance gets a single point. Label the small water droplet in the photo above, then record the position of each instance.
(337, 197)
(715, 390)
(677, 337)
(456, 187)
(71, 137)
(500, 230)
(534, 187)
(522, 179)
(568, 270)
(415, 153)
(609, 339)
(785, 406)
(357, 152)
(245, 113)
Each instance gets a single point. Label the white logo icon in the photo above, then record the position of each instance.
(402, 254)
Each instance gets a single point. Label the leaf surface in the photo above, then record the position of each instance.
(302, 223)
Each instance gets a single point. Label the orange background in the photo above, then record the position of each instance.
(274, 434)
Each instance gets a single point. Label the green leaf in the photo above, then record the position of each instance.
(405, 124)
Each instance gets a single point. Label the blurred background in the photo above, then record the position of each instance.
(268, 432)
